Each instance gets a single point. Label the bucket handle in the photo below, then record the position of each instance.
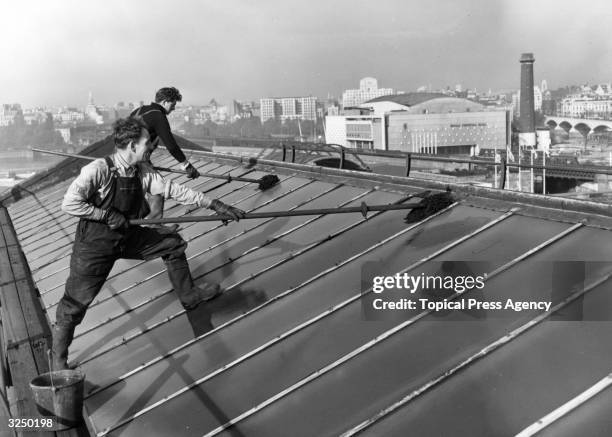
(53, 387)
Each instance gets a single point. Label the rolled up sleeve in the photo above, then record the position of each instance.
(154, 183)
(76, 201)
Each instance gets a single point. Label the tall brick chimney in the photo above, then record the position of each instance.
(527, 131)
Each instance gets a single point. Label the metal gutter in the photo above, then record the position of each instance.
(350, 176)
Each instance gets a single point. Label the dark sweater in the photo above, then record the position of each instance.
(154, 116)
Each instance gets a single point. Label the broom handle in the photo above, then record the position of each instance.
(171, 170)
(208, 175)
(363, 209)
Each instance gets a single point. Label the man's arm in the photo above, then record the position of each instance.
(77, 198)
(154, 183)
(159, 123)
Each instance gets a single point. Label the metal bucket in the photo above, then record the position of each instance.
(60, 394)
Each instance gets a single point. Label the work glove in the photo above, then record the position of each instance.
(115, 219)
(224, 209)
(192, 172)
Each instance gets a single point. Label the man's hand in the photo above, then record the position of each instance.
(224, 209)
(115, 219)
(192, 172)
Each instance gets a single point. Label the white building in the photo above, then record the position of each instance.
(586, 107)
(34, 116)
(8, 113)
(430, 123)
(65, 133)
(368, 90)
(69, 115)
(288, 108)
(537, 100)
(604, 90)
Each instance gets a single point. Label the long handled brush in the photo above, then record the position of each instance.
(264, 183)
(429, 205)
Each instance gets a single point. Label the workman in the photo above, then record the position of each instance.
(107, 193)
(156, 120)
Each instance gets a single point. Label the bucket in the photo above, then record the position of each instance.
(59, 394)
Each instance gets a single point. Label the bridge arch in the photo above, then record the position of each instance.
(566, 126)
(584, 130)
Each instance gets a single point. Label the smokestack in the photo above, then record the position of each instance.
(527, 132)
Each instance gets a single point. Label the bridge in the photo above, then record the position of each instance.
(580, 125)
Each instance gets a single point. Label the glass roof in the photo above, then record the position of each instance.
(287, 346)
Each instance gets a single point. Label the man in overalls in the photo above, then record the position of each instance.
(107, 193)
(155, 117)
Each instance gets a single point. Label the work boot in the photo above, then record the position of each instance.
(62, 338)
(189, 294)
(201, 294)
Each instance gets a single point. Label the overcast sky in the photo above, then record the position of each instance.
(55, 52)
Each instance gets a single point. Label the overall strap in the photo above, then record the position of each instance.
(108, 200)
(110, 164)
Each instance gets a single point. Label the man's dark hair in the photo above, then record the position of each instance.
(170, 94)
(126, 130)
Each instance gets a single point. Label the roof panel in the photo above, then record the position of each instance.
(301, 305)
(344, 387)
(290, 327)
(527, 371)
(243, 297)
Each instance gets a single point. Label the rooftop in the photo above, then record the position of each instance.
(288, 350)
(409, 99)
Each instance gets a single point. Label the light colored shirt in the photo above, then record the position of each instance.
(93, 184)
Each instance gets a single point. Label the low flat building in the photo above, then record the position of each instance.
(422, 123)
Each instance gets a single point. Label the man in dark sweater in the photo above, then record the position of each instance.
(155, 118)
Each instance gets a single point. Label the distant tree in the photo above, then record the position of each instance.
(584, 131)
(540, 119)
(272, 127)
(48, 124)
(19, 121)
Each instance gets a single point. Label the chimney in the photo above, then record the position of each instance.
(527, 131)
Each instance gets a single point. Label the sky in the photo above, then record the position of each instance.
(55, 52)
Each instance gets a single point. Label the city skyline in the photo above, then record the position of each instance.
(61, 50)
